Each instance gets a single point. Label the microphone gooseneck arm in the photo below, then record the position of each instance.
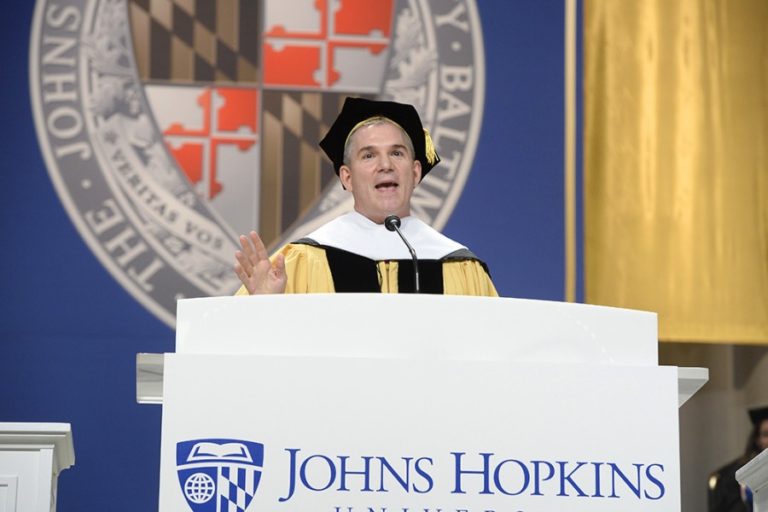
(392, 223)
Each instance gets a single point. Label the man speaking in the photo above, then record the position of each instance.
(381, 152)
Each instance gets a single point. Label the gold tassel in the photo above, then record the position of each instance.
(429, 148)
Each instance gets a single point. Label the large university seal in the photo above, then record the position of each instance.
(170, 126)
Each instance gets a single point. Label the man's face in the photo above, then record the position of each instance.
(762, 435)
(381, 173)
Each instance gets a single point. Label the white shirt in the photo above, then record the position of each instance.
(353, 232)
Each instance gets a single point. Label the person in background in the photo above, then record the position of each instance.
(725, 492)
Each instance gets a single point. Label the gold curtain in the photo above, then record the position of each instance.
(676, 164)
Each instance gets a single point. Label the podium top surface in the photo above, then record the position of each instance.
(57, 436)
(754, 474)
(416, 326)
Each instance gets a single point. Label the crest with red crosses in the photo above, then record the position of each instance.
(200, 120)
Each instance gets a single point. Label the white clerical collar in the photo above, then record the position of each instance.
(353, 232)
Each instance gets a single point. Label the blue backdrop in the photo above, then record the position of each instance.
(69, 333)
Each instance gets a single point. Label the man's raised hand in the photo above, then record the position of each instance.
(255, 270)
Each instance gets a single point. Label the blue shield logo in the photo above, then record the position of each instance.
(219, 475)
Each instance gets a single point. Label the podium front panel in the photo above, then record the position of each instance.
(357, 434)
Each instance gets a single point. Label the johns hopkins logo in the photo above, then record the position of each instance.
(219, 475)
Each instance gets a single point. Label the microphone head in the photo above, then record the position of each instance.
(392, 222)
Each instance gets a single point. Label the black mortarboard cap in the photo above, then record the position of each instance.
(758, 415)
(357, 110)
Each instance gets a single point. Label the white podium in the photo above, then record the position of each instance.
(404, 402)
(31, 457)
(754, 475)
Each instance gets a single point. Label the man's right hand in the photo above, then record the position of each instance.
(256, 272)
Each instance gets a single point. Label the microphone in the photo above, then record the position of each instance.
(392, 223)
